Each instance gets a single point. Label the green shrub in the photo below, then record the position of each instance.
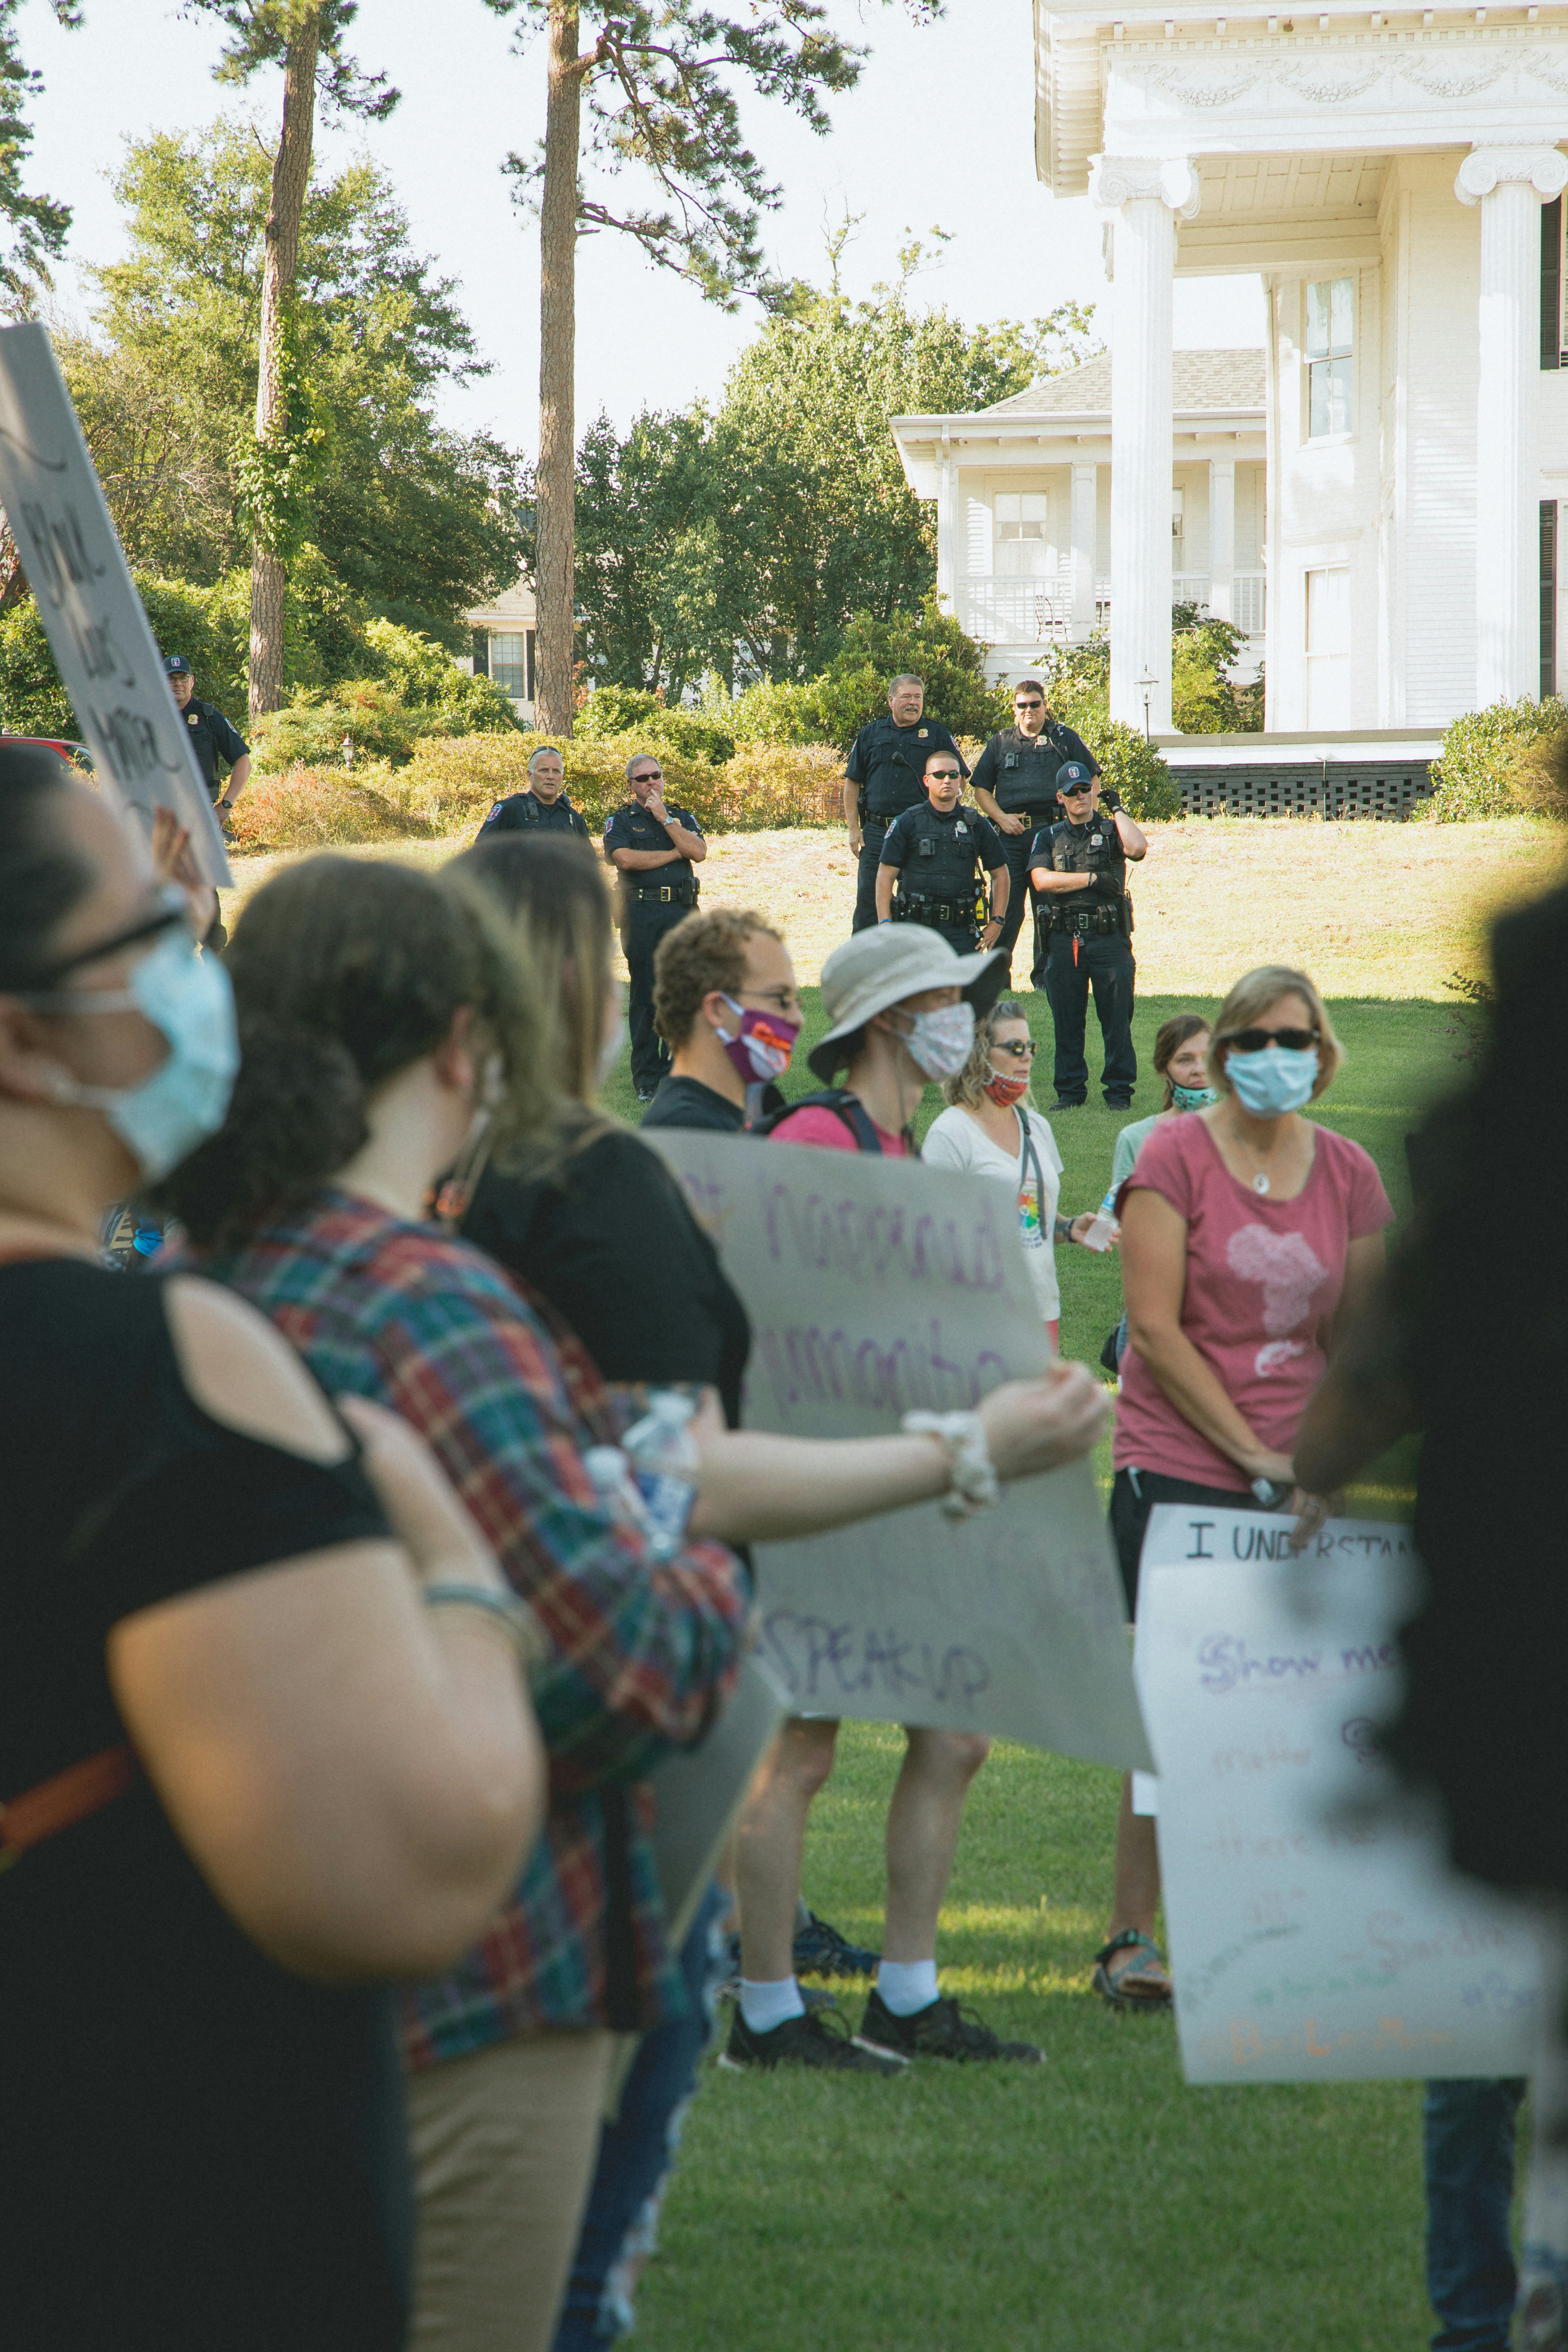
(853, 689)
(775, 710)
(1496, 761)
(613, 711)
(424, 676)
(1078, 685)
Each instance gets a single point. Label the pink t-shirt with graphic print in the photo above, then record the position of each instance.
(1264, 1278)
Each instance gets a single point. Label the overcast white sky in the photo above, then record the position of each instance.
(939, 132)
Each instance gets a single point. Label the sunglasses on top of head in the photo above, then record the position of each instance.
(1256, 1041)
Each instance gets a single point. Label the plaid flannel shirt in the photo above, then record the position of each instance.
(643, 1658)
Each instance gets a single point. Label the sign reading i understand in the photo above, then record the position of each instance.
(1316, 1932)
(86, 600)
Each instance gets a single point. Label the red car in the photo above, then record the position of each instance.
(75, 755)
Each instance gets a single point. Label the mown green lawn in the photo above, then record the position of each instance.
(1096, 2204)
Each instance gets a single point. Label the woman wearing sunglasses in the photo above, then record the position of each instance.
(992, 1128)
(1251, 1237)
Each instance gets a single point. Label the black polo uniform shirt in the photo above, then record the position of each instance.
(212, 740)
(889, 761)
(526, 812)
(1020, 772)
(631, 828)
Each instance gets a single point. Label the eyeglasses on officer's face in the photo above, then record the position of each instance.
(943, 775)
(1028, 702)
(649, 776)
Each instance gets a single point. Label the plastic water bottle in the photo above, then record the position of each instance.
(1098, 1234)
(663, 1459)
(617, 1489)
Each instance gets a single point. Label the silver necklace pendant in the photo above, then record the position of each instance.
(1260, 1183)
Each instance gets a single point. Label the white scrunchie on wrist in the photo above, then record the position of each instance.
(974, 1484)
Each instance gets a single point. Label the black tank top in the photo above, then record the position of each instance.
(199, 2150)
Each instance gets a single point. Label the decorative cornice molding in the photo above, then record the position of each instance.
(1117, 180)
(1543, 168)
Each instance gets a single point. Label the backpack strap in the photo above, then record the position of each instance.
(844, 1106)
(63, 1800)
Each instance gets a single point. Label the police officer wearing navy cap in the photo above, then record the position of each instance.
(542, 808)
(654, 846)
(1016, 787)
(1083, 932)
(212, 739)
(884, 775)
(937, 853)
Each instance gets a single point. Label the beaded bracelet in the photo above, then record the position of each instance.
(972, 1473)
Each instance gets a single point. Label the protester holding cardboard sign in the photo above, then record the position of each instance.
(1249, 1235)
(243, 1770)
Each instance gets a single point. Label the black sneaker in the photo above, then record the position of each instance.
(1078, 1102)
(820, 2038)
(821, 1952)
(941, 2030)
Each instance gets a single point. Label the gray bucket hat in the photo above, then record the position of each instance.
(881, 967)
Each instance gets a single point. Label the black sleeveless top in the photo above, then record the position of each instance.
(196, 2149)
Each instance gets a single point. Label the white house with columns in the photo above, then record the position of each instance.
(1395, 177)
(1023, 503)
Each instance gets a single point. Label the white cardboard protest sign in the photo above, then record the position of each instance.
(1315, 1935)
(876, 1286)
(88, 603)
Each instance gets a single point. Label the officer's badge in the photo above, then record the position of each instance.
(920, 733)
(193, 718)
(1097, 840)
(963, 829)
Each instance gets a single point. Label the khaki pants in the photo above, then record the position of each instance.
(503, 2145)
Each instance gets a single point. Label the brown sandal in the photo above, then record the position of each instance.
(1125, 1989)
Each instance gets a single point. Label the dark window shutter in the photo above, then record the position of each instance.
(1551, 283)
(482, 652)
(1548, 598)
(528, 661)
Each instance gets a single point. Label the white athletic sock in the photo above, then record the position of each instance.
(906, 1985)
(763, 2006)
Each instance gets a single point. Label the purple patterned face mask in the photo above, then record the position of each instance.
(761, 1046)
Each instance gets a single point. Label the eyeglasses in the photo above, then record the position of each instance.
(943, 775)
(648, 776)
(171, 911)
(1075, 792)
(1028, 702)
(786, 999)
(1255, 1041)
(1022, 1049)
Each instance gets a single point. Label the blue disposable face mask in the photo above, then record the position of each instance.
(188, 1000)
(1275, 1080)
(1192, 1097)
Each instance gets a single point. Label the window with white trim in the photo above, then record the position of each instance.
(1330, 347)
(1023, 523)
(507, 665)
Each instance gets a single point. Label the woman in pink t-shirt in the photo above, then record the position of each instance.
(1250, 1235)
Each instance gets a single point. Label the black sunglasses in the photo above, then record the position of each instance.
(1028, 702)
(1021, 1048)
(943, 775)
(1074, 792)
(1255, 1041)
(169, 913)
(648, 776)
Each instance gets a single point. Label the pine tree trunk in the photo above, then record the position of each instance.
(291, 178)
(555, 582)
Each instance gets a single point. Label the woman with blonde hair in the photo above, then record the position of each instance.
(992, 1128)
(1250, 1238)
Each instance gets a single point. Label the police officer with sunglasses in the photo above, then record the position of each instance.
(1083, 933)
(1016, 786)
(654, 846)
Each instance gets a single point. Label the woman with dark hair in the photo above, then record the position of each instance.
(235, 1753)
(992, 1128)
(381, 1012)
(1468, 1342)
(1251, 1237)
(1181, 1058)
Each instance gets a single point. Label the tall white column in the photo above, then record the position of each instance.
(1143, 197)
(1222, 538)
(946, 535)
(1085, 526)
(1509, 184)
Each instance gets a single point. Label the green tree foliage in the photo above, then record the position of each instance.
(631, 710)
(1205, 697)
(1078, 688)
(757, 532)
(416, 521)
(32, 227)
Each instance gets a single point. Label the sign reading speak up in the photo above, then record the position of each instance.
(875, 1287)
(86, 600)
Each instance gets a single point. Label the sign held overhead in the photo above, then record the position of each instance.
(86, 600)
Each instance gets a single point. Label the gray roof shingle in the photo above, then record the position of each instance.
(1204, 380)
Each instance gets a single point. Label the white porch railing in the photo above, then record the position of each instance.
(1039, 612)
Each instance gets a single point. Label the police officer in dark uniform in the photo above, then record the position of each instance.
(542, 808)
(212, 739)
(1016, 787)
(654, 847)
(936, 853)
(1083, 932)
(882, 777)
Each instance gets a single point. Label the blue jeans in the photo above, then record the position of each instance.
(1469, 2151)
(637, 2152)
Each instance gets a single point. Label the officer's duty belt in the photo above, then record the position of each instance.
(911, 909)
(666, 894)
(1089, 919)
